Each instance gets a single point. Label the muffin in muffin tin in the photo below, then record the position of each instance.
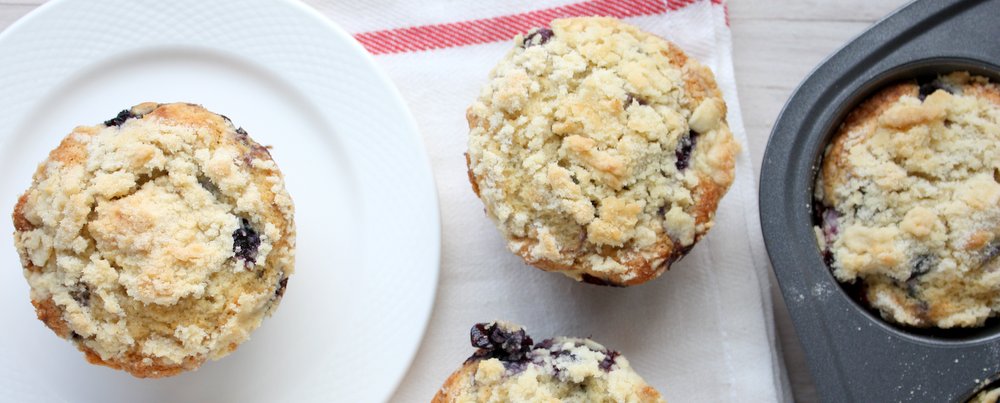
(908, 201)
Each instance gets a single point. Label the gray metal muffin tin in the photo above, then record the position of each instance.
(854, 355)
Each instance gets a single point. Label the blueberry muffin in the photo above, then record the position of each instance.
(156, 240)
(908, 201)
(508, 367)
(600, 151)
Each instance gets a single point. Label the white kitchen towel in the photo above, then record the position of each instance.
(703, 332)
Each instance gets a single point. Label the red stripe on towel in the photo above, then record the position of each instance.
(503, 28)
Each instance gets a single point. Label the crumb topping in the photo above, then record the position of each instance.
(911, 185)
(127, 238)
(586, 136)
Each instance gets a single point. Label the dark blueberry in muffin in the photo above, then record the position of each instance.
(826, 219)
(245, 243)
(830, 227)
(827, 257)
(545, 344)
(922, 265)
(121, 118)
(81, 294)
(539, 37)
(609, 360)
(506, 343)
(480, 335)
(684, 149)
(929, 87)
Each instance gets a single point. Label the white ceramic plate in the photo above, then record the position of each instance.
(366, 211)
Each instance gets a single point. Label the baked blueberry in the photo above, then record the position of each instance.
(121, 118)
(246, 241)
(684, 149)
(538, 37)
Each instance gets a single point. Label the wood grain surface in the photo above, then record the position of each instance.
(776, 44)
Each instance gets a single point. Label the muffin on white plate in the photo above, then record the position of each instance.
(156, 240)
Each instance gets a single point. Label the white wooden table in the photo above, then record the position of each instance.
(776, 43)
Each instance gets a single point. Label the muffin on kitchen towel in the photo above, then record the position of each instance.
(509, 367)
(600, 151)
(156, 240)
(439, 56)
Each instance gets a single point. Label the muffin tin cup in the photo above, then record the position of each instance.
(853, 353)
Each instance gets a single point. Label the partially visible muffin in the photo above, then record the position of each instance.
(156, 240)
(507, 367)
(600, 151)
(908, 201)
(990, 395)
